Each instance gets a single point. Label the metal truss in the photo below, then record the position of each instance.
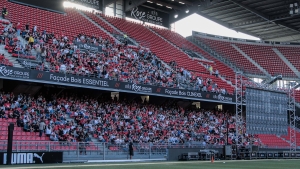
(291, 111)
(239, 92)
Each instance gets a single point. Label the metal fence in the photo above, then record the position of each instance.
(78, 151)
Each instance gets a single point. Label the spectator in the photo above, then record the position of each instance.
(38, 52)
(210, 69)
(63, 68)
(27, 28)
(26, 127)
(48, 131)
(31, 40)
(20, 122)
(18, 27)
(41, 128)
(217, 73)
(4, 12)
(53, 137)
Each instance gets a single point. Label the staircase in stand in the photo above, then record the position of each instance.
(9, 57)
(117, 30)
(201, 60)
(287, 62)
(104, 30)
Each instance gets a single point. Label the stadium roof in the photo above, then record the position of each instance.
(266, 19)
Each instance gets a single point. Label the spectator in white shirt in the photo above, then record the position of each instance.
(63, 68)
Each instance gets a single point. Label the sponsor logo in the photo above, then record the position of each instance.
(6, 72)
(138, 88)
(92, 48)
(88, 47)
(138, 14)
(24, 158)
(28, 64)
(117, 85)
(39, 157)
(150, 16)
(222, 98)
(79, 80)
(183, 93)
(40, 75)
(207, 95)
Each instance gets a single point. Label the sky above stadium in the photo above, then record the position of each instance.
(200, 24)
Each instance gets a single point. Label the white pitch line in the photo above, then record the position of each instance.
(139, 163)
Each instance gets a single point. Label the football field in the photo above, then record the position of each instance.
(253, 164)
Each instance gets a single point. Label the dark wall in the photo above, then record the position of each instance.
(51, 5)
(173, 153)
(297, 117)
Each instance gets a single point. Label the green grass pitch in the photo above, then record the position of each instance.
(251, 164)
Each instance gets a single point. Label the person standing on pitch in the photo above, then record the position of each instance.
(130, 149)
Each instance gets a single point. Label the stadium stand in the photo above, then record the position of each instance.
(162, 49)
(272, 141)
(260, 53)
(287, 137)
(86, 66)
(225, 49)
(267, 58)
(184, 44)
(112, 121)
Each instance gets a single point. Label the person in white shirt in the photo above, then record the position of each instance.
(35, 28)
(63, 68)
(48, 130)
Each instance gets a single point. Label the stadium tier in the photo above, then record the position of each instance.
(163, 58)
(264, 55)
(75, 119)
(225, 49)
(184, 44)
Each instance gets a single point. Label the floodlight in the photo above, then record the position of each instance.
(291, 12)
(176, 15)
(291, 5)
(187, 11)
(295, 4)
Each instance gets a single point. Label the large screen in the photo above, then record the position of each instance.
(51, 5)
(266, 112)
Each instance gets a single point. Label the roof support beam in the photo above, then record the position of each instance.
(155, 9)
(225, 24)
(185, 2)
(264, 16)
(286, 38)
(206, 4)
(167, 4)
(108, 2)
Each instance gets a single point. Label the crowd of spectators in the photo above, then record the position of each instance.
(115, 121)
(115, 62)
